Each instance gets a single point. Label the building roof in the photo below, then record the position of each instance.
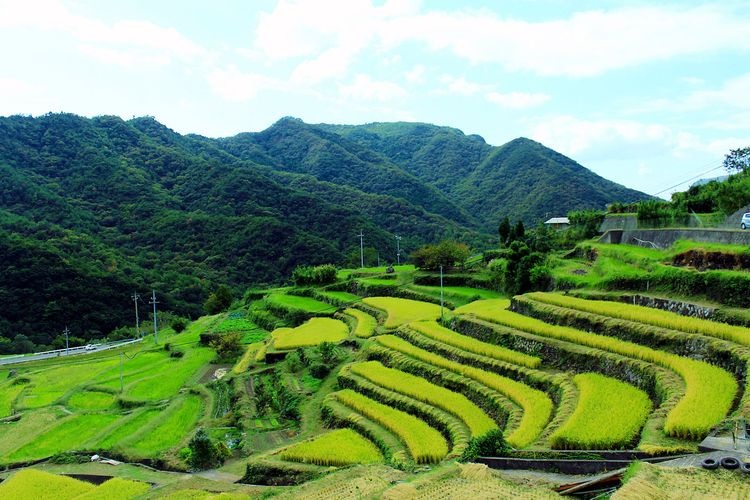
(558, 220)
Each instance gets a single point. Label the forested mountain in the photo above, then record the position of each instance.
(521, 179)
(94, 209)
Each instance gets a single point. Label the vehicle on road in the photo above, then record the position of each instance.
(745, 221)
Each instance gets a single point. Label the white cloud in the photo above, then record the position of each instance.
(460, 86)
(124, 42)
(124, 58)
(416, 74)
(572, 136)
(365, 88)
(735, 93)
(584, 44)
(517, 100)
(234, 85)
(331, 64)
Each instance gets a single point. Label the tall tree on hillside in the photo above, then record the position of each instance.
(504, 230)
(737, 159)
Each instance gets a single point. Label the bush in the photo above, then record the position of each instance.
(317, 275)
(204, 453)
(218, 301)
(491, 444)
(446, 254)
(176, 354)
(227, 345)
(179, 324)
(319, 370)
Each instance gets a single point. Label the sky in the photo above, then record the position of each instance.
(651, 95)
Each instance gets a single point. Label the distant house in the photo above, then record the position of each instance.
(558, 223)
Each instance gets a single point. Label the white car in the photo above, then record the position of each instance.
(745, 221)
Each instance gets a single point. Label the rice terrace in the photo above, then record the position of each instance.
(381, 371)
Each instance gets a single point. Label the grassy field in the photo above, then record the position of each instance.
(365, 323)
(298, 303)
(168, 428)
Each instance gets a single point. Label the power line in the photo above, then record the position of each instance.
(688, 180)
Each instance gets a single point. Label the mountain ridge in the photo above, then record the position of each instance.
(119, 205)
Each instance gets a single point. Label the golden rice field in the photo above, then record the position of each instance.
(40, 485)
(710, 389)
(418, 388)
(339, 447)
(402, 311)
(313, 332)
(425, 444)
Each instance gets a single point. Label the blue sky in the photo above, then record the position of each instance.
(648, 94)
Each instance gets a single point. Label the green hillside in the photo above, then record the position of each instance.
(113, 206)
(521, 179)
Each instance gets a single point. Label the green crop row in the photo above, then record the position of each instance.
(336, 414)
(401, 311)
(649, 316)
(709, 390)
(441, 334)
(451, 427)
(247, 357)
(365, 323)
(425, 444)
(537, 406)
(418, 388)
(65, 434)
(314, 332)
(498, 406)
(337, 448)
(610, 413)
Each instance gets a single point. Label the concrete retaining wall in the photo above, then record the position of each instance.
(664, 238)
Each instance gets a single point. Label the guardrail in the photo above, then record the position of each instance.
(71, 351)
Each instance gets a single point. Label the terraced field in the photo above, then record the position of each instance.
(548, 371)
(77, 403)
(499, 371)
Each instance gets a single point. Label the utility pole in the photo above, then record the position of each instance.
(154, 302)
(398, 250)
(378, 259)
(361, 249)
(121, 373)
(66, 332)
(441, 293)
(135, 298)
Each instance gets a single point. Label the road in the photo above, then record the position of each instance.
(73, 351)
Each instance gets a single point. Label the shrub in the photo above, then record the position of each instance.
(204, 453)
(490, 444)
(179, 324)
(319, 370)
(317, 275)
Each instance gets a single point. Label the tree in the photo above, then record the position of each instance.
(737, 160)
(218, 301)
(204, 453)
(227, 345)
(446, 253)
(504, 230)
